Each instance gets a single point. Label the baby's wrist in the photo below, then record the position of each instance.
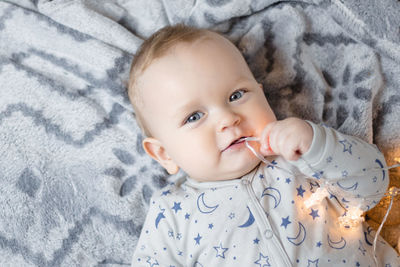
(308, 136)
(317, 144)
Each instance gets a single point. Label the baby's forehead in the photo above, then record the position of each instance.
(194, 52)
(195, 59)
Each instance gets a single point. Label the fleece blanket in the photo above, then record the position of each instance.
(74, 180)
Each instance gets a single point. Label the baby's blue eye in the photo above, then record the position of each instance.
(194, 117)
(236, 95)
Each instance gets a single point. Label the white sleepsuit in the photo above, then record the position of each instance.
(260, 220)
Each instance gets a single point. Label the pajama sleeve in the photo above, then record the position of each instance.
(157, 243)
(353, 169)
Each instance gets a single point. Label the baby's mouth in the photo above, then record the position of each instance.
(235, 142)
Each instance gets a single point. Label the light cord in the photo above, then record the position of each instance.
(353, 215)
(392, 193)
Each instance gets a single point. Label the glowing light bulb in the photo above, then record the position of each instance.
(316, 197)
(393, 191)
(352, 217)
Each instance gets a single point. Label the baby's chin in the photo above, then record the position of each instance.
(249, 168)
(231, 175)
(246, 168)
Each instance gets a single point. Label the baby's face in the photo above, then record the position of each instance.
(197, 101)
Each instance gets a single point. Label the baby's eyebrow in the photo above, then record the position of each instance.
(242, 81)
(184, 108)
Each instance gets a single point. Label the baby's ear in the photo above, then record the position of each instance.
(156, 150)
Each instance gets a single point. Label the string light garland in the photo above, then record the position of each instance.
(354, 214)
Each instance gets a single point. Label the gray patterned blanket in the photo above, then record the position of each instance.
(74, 180)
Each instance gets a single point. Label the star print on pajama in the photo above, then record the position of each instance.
(260, 219)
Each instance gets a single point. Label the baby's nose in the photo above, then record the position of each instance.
(227, 120)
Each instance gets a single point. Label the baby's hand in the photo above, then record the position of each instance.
(289, 138)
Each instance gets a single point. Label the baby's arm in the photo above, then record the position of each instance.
(156, 245)
(346, 162)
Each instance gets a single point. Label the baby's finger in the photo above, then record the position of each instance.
(275, 139)
(290, 149)
(291, 155)
(265, 148)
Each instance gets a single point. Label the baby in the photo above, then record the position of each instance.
(196, 100)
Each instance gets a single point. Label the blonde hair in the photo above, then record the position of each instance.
(156, 46)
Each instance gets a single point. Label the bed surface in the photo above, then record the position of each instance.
(74, 180)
